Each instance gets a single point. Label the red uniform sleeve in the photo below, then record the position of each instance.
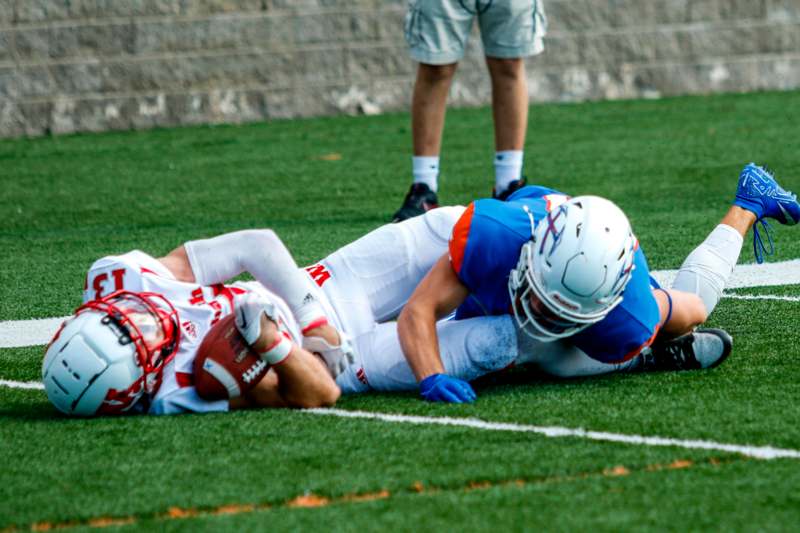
(458, 239)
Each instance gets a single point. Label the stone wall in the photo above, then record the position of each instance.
(91, 65)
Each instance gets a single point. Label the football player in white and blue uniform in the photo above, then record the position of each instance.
(485, 247)
(571, 268)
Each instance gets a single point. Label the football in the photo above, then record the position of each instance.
(225, 367)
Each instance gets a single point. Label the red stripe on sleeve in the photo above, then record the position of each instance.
(458, 240)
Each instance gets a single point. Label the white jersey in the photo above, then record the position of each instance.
(199, 308)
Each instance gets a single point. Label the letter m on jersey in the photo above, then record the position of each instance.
(318, 273)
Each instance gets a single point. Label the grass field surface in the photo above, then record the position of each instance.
(671, 165)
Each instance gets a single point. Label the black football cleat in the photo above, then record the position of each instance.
(420, 198)
(703, 348)
(513, 187)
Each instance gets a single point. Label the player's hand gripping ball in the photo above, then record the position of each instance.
(225, 366)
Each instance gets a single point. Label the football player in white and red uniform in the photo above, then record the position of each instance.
(131, 346)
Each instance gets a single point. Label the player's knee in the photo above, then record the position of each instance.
(505, 68)
(571, 362)
(434, 74)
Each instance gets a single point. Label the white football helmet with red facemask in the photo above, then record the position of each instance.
(573, 271)
(111, 353)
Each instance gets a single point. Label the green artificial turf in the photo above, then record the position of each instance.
(671, 164)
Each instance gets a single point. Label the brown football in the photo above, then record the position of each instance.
(225, 366)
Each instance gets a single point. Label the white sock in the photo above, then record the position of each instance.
(507, 168)
(426, 170)
(706, 270)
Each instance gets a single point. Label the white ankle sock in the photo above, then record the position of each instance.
(426, 170)
(507, 168)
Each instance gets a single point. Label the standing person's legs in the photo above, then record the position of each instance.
(437, 33)
(510, 31)
(428, 107)
(510, 113)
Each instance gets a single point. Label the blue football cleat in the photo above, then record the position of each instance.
(759, 193)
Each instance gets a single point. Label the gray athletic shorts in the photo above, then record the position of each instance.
(437, 30)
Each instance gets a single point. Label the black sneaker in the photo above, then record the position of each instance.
(420, 198)
(703, 348)
(511, 189)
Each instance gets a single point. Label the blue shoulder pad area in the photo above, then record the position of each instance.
(498, 231)
(531, 192)
(629, 327)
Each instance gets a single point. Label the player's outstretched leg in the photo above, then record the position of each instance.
(703, 348)
(706, 270)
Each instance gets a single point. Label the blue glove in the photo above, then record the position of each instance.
(444, 388)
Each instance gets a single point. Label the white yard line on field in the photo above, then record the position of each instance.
(36, 385)
(758, 452)
(21, 333)
(762, 297)
(749, 275)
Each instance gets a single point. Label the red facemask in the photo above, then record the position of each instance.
(146, 319)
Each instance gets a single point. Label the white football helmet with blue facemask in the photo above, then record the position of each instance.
(573, 271)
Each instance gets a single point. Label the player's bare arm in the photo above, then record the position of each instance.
(297, 378)
(437, 295)
(300, 380)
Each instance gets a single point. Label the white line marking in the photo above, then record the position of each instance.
(21, 333)
(22, 384)
(758, 452)
(748, 275)
(762, 297)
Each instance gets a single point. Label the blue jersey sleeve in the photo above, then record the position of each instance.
(629, 327)
(485, 246)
